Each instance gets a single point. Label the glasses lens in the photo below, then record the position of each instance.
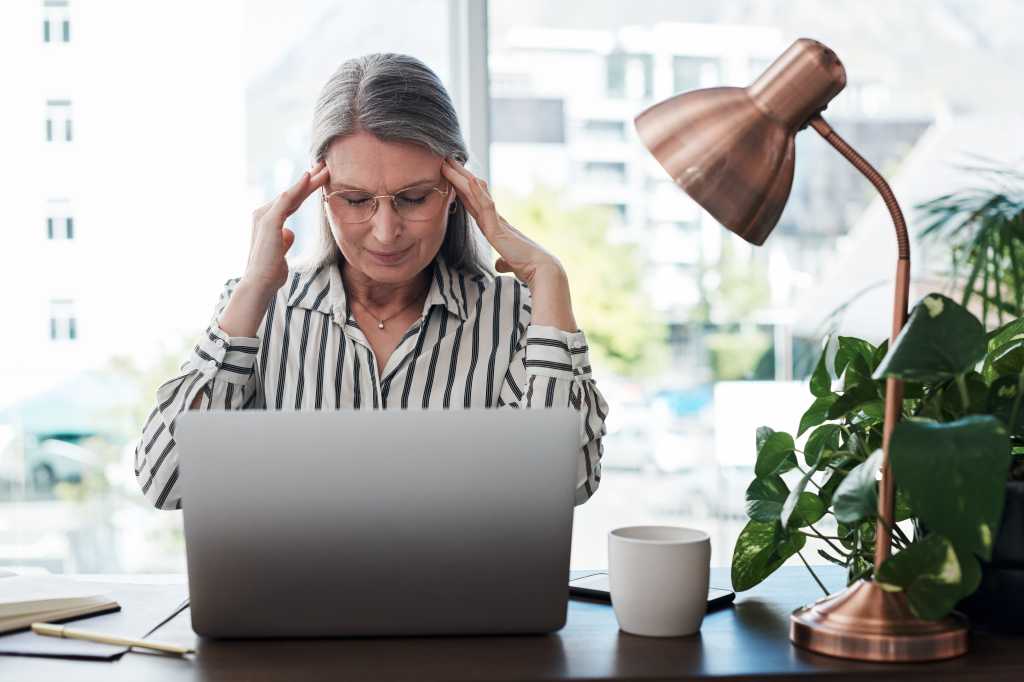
(419, 203)
(351, 207)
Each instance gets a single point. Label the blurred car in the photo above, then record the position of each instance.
(53, 461)
(42, 462)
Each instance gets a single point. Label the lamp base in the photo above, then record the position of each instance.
(866, 623)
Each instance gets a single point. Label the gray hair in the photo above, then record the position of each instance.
(395, 97)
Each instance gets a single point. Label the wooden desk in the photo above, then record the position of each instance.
(747, 641)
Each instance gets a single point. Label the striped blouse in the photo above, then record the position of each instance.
(473, 346)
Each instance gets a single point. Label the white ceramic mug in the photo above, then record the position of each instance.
(658, 578)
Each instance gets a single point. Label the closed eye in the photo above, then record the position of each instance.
(412, 197)
(356, 199)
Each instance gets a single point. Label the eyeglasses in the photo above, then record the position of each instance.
(419, 203)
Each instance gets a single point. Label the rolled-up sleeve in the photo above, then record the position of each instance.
(219, 367)
(551, 368)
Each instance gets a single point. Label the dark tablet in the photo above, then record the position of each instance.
(595, 586)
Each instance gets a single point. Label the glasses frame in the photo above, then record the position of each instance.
(394, 202)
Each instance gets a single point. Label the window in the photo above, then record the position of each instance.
(691, 73)
(241, 49)
(59, 222)
(62, 320)
(58, 120)
(605, 130)
(605, 171)
(56, 22)
(701, 305)
(630, 76)
(528, 119)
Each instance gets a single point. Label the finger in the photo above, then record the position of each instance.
(472, 190)
(286, 201)
(463, 190)
(320, 172)
(485, 204)
(458, 167)
(316, 181)
(477, 186)
(291, 199)
(501, 265)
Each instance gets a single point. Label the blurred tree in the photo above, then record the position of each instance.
(743, 285)
(146, 380)
(624, 332)
(736, 288)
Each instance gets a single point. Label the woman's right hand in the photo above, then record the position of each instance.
(267, 269)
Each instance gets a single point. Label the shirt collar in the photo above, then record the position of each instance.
(322, 290)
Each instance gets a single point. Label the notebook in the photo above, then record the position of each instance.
(27, 599)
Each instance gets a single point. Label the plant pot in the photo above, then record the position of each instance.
(998, 605)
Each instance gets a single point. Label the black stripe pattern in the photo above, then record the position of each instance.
(474, 346)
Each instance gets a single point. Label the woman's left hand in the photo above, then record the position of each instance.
(518, 254)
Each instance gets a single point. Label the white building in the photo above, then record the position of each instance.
(563, 110)
(564, 107)
(124, 161)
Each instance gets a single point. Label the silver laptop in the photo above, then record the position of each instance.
(346, 523)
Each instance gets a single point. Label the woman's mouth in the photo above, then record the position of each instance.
(388, 257)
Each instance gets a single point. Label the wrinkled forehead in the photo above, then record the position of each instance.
(364, 161)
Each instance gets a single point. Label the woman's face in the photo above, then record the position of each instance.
(386, 248)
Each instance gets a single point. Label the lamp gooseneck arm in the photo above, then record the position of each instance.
(893, 387)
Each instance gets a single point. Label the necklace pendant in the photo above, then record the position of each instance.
(380, 325)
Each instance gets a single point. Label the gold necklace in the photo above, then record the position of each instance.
(381, 321)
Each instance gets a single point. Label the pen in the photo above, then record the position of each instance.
(61, 631)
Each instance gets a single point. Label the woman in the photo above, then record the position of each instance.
(397, 308)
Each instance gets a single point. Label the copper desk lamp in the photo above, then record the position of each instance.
(732, 150)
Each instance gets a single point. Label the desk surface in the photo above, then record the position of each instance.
(747, 641)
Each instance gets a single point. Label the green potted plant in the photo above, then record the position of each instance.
(959, 439)
(983, 227)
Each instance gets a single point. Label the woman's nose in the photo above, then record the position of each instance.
(386, 223)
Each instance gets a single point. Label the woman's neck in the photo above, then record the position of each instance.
(382, 296)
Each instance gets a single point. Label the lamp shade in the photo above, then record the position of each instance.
(732, 149)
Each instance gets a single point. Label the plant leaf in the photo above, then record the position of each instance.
(932, 574)
(860, 394)
(851, 347)
(821, 381)
(760, 549)
(940, 340)
(816, 413)
(1006, 333)
(1002, 395)
(793, 500)
(954, 475)
(1005, 359)
(765, 497)
(977, 397)
(856, 497)
(880, 352)
(828, 491)
(775, 454)
(808, 508)
(825, 437)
